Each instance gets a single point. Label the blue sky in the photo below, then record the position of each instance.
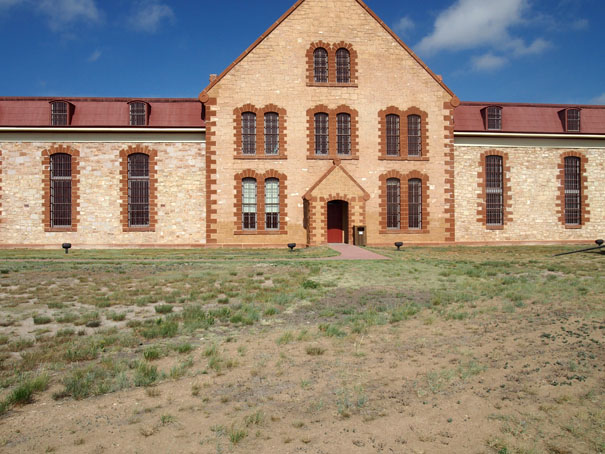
(487, 50)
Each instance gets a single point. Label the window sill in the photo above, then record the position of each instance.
(403, 231)
(61, 229)
(138, 229)
(332, 157)
(260, 232)
(494, 227)
(260, 157)
(402, 158)
(573, 226)
(332, 84)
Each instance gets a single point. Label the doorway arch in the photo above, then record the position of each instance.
(337, 221)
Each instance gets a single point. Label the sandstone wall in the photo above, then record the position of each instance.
(180, 196)
(534, 189)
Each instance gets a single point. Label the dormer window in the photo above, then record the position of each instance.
(139, 113)
(494, 118)
(60, 113)
(572, 120)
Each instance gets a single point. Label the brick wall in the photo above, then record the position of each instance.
(277, 72)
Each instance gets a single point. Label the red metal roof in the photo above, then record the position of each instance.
(529, 118)
(102, 112)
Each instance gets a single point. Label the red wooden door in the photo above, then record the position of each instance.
(335, 222)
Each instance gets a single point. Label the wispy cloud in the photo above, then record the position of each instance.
(598, 99)
(95, 56)
(488, 62)
(149, 15)
(62, 12)
(403, 25)
(580, 24)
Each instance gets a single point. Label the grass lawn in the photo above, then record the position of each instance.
(452, 349)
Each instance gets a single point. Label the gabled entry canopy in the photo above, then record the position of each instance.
(337, 182)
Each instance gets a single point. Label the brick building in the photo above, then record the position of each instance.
(326, 122)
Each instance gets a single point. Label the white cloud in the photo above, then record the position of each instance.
(580, 24)
(519, 47)
(403, 25)
(149, 15)
(61, 12)
(95, 56)
(598, 99)
(488, 62)
(468, 24)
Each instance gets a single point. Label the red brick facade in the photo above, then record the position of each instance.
(403, 208)
(403, 134)
(331, 50)
(260, 131)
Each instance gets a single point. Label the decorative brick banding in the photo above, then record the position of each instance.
(560, 204)
(332, 132)
(507, 205)
(403, 208)
(403, 134)
(260, 202)
(152, 154)
(260, 131)
(75, 184)
(331, 49)
(211, 191)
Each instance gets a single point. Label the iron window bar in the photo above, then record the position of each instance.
(138, 190)
(60, 190)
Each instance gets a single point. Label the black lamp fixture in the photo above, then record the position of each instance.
(398, 244)
(66, 246)
(291, 246)
(599, 243)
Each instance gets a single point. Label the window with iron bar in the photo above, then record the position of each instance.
(393, 122)
(138, 190)
(271, 133)
(573, 191)
(138, 114)
(494, 118)
(59, 113)
(494, 186)
(321, 134)
(414, 203)
(320, 59)
(344, 133)
(573, 120)
(248, 133)
(343, 66)
(393, 203)
(249, 204)
(414, 136)
(271, 204)
(60, 190)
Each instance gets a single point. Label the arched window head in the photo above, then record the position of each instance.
(321, 134)
(393, 141)
(248, 133)
(393, 203)
(249, 204)
(494, 118)
(414, 135)
(343, 66)
(60, 190)
(343, 121)
(271, 204)
(271, 133)
(320, 63)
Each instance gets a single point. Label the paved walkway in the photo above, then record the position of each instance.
(350, 252)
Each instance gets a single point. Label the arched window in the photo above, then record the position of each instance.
(138, 190)
(271, 133)
(138, 114)
(414, 135)
(494, 118)
(573, 199)
(343, 121)
(59, 113)
(392, 121)
(60, 190)
(320, 63)
(572, 120)
(249, 204)
(494, 188)
(271, 204)
(415, 203)
(248, 133)
(321, 134)
(393, 203)
(343, 66)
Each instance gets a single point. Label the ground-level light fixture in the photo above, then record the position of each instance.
(291, 246)
(598, 242)
(398, 244)
(66, 246)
